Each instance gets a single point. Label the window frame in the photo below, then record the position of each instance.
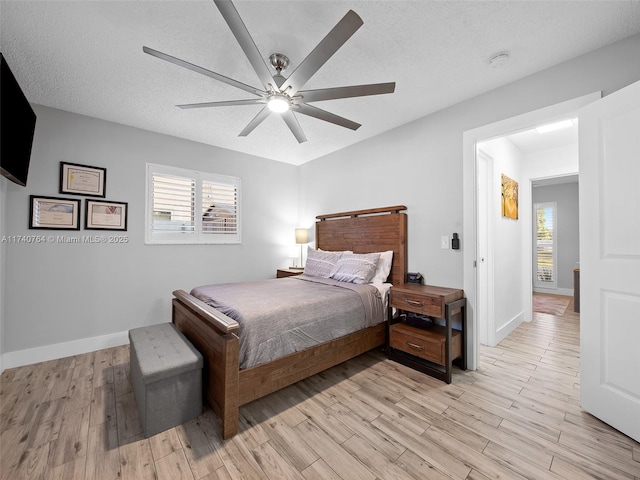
(197, 237)
(536, 281)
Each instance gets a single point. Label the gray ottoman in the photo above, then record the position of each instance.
(166, 374)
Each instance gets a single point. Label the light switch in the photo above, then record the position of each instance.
(444, 242)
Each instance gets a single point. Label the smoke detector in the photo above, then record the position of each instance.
(499, 60)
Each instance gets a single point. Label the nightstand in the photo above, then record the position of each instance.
(288, 272)
(428, 346)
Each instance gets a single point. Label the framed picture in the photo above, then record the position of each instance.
(509, 202)
(83, 180)
(104, 215)
(54, 213)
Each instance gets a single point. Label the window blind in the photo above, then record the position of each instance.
(186, 206)
(545, 239)
(173, 204)
(219, 208)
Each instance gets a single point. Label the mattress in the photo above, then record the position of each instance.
(281, 316)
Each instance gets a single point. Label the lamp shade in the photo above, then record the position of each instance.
(302, 235)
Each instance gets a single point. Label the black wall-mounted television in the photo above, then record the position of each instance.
(17, 124)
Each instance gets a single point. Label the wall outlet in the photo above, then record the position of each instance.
(444, 242)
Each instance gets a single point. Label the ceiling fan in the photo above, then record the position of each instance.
(282, 95)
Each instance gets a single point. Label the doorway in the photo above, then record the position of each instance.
(521, 293)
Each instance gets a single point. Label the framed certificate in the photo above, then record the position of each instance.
(54, 213)
(104, 215)
(83, 180)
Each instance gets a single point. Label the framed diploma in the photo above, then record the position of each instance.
(104, 215)
(54, 213)
(83, 180)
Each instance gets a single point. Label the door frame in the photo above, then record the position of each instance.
(470, 140)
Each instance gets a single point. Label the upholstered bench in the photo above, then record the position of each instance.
(166, 374)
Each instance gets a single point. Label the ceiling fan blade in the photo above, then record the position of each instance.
(228, 103)
(329, 45)
(346, 92)
(239, 30)
(327, 116)
(292, 122)
(257, 120)
(203, 71)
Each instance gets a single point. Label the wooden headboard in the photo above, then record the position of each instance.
(367, 231)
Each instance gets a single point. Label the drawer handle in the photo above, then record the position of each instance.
(417, 304)
(414, 346)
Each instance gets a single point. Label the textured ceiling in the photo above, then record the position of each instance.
(86, 57)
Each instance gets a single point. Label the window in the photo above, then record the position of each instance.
(185, 206)
(545, 245)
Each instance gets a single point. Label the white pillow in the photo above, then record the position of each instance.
(383, 268)
(355, 267)
(341, 251)
(320, 263)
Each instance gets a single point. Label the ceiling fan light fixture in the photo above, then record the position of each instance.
(278, 103)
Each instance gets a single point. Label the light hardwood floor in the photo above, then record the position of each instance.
(518, 416)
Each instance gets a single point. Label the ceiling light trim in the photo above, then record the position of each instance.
(552, 127)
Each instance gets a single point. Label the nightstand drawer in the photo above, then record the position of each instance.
(426, 343)
(413, 302)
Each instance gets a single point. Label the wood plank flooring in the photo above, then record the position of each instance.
(518, 416)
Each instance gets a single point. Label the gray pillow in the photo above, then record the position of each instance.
(321, 263)
(356, 267)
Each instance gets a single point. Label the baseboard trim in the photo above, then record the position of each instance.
(567, 292)
(508, 327)
(61, 350)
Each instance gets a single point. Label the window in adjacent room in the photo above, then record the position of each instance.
(545, 245)
(186, 206)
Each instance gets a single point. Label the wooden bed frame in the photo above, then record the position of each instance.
(226, 387)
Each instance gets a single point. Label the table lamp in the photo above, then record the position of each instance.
(302, 236)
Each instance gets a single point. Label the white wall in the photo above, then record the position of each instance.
(415, 165)
(59, 293)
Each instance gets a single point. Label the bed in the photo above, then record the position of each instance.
(227, 385)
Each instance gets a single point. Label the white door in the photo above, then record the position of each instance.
(482, 298)
(485, 294)
(610, 259)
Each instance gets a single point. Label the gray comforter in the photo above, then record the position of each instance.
(282, 316)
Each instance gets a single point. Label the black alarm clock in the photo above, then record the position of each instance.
(414, 278)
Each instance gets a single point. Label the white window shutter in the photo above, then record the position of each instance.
(173, 204)
(185, 206)
(545, 243)
(219, 208)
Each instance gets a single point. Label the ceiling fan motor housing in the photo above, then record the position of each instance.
(279, 61)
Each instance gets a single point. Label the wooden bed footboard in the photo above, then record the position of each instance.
(263, 379)
(213, 335)
(226, 387)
